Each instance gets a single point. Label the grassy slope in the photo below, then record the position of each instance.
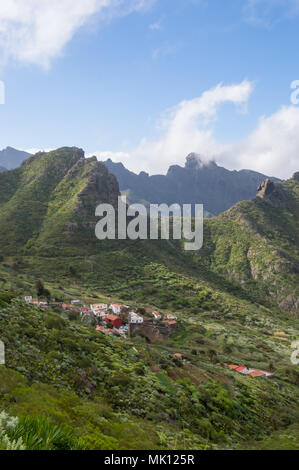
(198, 400)
(220, 296)
(256, 244)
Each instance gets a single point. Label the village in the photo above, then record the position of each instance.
(122, 320)
(113, 319)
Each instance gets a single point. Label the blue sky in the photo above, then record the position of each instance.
(135, 80)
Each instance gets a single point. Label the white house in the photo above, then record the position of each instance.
(116, 308)
(99, 307)
(75, 301)
(28, 299)
(156, 315)
(100, 313)
(135, 319)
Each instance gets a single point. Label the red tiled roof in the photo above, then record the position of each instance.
(256, 373)
(112, 317)
(232, 366)
(240, 368)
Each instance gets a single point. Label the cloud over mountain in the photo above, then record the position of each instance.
(271, 148)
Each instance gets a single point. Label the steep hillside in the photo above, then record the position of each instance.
(135, 394)
(47, 220)
(164, 387)
(206, 183)
(256, 243)
(49, 197)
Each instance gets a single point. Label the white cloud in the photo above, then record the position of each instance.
(34, 150)
(272, 148)
(269, 12)
(165, 50)
(157, 26)
(115, 156)
(36, 31)
(187, 128)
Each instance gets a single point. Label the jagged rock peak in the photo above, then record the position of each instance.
(194, 161)
(266, 188)
(272, 193)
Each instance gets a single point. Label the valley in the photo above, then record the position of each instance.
(160, 385)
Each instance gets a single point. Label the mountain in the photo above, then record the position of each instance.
(165, 386)
(198, 182)
(52, 195)
(11, 158)
(256, 243)
(2, 169)
(47, 209)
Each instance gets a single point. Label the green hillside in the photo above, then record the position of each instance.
(235, 302)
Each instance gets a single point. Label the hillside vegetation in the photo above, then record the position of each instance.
(66, 385)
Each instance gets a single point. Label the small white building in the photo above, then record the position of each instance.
(100, 313)
(75, 301)
(116, 308)
(28, 299)
(135, 319)
(156, 315)
(99, 307)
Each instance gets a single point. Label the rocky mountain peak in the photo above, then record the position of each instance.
(266, 188)
(194, 161)
(272, 193)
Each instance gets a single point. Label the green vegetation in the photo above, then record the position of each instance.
(67, 386)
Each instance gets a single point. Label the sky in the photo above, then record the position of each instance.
(146, 82)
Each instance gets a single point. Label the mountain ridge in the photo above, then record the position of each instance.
(197, 182)
(11, 158)
(235, 302)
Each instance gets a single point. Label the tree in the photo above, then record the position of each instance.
(212, 355)
(41, 290)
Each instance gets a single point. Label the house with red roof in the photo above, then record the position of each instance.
(170, 316)
(178, 355)
(171, 324)
(113, 320)
(252, 372)
(256, 373)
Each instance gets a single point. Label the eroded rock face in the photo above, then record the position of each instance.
(271, 192)
(266, 188)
